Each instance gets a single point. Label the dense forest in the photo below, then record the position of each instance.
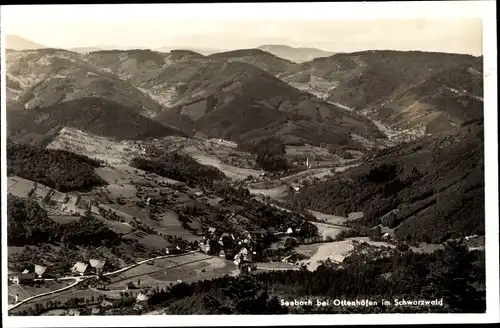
(58, 169)
(94, 115)
(271, 153)
(437, 184)
(179, 167)
(454, 274)
(29, 224)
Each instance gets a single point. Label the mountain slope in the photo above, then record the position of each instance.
(237, 101)
(262, 59)
(297, 55)
(46, 77)
(437, 183)
(16, 42)
(128, 65)
(94, 115)
(398, 87)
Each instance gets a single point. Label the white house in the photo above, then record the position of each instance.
(79, 267)
(39, 270)
(289, 231)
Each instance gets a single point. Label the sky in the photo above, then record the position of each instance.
(341, 27)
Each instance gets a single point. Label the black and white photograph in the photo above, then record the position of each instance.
(281, 161)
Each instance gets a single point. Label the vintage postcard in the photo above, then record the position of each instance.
(249, 164)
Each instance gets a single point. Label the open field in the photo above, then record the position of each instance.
(19, 187)
(272, 266)
(337, 251)
(327, 230)
(94, 146)
(148, 240)
(328, 218)
(62, 297)
(276, 192)
(230, 171)
(25, 291)
(190, 267)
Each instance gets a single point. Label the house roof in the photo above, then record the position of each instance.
(211, 229)
(39, 269)
(98, 264)
(80, 267)
(142, 297)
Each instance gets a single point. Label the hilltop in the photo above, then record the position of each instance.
(399, 88)
(260, 58)
(297, 55)
(16, 42)
(95, 115)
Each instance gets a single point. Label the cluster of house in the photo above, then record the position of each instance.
(244, 243)
(39, 270)
(81, 267)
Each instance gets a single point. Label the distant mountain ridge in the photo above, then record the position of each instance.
(298, 55)
(16, 42)
(252, 94)
(260, 58)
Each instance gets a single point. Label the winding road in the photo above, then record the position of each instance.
(80, 279)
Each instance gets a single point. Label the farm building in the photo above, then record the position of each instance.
(97, 264)
(106, 304)
(222, 254)
(39, 270)
(79, 267)
(289, 231)
(95, 311)
(198, 194)
(211, 230)
(23, 277)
